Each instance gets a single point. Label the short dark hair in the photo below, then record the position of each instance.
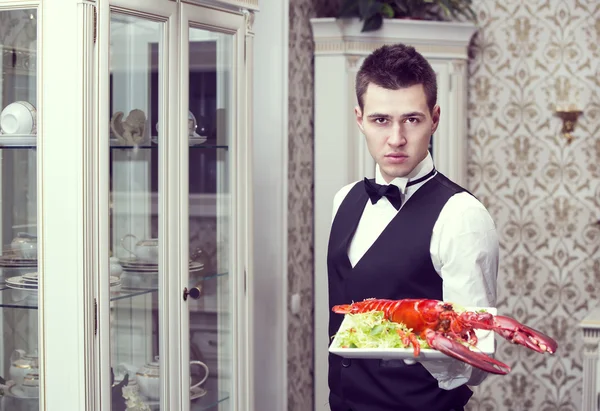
(393, 67)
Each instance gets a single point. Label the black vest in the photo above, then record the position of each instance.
(397, 266)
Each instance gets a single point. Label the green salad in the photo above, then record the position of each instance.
(372, 330)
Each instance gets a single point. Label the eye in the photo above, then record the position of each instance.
(380, 120)
(412, 120)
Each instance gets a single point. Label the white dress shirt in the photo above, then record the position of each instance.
(464, 252)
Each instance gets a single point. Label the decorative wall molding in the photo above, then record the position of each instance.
(250, 17)
(437, 39)
(246, 4)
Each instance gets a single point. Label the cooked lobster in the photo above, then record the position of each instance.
(447, 330)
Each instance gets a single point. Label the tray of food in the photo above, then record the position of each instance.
(371, 335)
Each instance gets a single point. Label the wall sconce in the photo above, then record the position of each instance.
(569, 116)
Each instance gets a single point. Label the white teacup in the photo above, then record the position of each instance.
(148, 378)
(145, 250)
(19, 117)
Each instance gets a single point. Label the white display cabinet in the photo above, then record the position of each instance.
(341, 155)
(125, 218)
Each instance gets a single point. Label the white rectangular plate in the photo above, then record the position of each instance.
(485, 343)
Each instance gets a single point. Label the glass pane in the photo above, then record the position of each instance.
(18, 210)
(210, 113)
(135, 54)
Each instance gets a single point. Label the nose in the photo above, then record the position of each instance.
(396, 138)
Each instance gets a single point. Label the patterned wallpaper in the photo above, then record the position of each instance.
(543, 193)
(300, 206)
(300, 199)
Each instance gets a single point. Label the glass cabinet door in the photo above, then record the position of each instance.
(19, 371)
(174, 270)
(135, 78)
(210, 107)
(211, 99)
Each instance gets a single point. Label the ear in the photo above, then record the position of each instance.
(435, 118)
(359, 118)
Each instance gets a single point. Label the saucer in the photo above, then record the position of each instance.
(193, 140)
(16, 391)
(197, 139)
(195, 393)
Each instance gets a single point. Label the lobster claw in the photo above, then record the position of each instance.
(461, 352)
(515, 332)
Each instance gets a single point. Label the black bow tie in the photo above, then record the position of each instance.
(376, 191)
(392, 192)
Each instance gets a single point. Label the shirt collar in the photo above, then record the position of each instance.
(419, 171)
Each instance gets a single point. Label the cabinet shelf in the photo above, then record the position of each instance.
(145, 147)
(155, 146)
(26, 299)
(23, 147)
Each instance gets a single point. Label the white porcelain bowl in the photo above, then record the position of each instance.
(18, 118)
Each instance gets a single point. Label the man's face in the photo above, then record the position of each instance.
(398, 126)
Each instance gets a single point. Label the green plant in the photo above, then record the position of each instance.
(372, 12)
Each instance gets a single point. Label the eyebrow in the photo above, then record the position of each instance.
(405, 115)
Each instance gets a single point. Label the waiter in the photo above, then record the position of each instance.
(410, 233)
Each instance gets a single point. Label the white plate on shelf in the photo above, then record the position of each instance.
(13, 390)
(143, 267)
(12, 140)
(134, 262)
(195, 140)
(485, 344)
(31, 277)
(30, 281)
(8, 261)
(18, 283)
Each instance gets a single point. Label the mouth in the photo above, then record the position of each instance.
(396, 158)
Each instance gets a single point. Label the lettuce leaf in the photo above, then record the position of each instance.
(372, 330)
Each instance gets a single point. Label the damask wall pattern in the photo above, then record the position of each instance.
(300, 206)
(300, 199)
(543, 193)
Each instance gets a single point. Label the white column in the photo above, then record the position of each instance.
(270, 169)
(590, 326)
(591, 338)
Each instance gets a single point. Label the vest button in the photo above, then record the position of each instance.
(346, 362)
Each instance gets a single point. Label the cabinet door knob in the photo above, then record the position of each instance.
(193, 292)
